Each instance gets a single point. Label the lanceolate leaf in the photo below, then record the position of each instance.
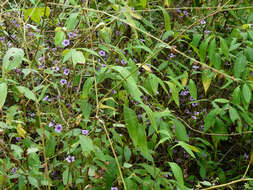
(178, 174)
(3, 94)
(27, 92)
(136, 131)
(193, 89)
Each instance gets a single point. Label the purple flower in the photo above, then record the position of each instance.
(13, 170)
(2, 39)
(70, 35)
(85, 132)
(56, 61)
(196, 113)
(102, 53)
(245, 156)
(203, 21)
(194, 117)
(117, 33)
(32, 114)
(114, 188)
(187, 111)
(195, 67)
(194, 104)
(56, 69)
(185, 13)
(202, 127)
(58, 128)
(63, 81)
(18, 139)
(123, 62)
(65, 43)
(114, 91)
(31, 34)
(172, 55)
(66, 71)
(103, 65)
(70, 159)
(45, 98)
(51, 124)
(191, 98)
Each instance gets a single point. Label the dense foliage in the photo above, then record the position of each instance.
(130, 94)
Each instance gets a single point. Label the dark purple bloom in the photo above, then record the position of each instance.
(63, 81)
(102, 53)
(123, 62)
(18, 139)
(103, 65)
(85, 132)
(31, 34)
(194, 104)
(185, 13)
(70, 35)
(65, 43)
(66, 71)
(13, 170)
(114, 188)
(191, 98)
(202, 127)
(117, 33)
(58, 128)
(2, 39)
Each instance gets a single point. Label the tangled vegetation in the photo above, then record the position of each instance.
(135, 94)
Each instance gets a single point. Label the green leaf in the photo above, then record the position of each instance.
(59, 37)
(3, 94)
(210, 119)
(72, 21)
(174, 91)
(203, 48)
(27, 93)
(224, 47)
(136, 131)
(188, 148)
(86, 144)
(236, 96)
(12, 59)
(50, 146)
(180, 130)
(193, 89)
(166, 17)
(240, 64)
(178, 174)
(36, 13)
(130, 83)
(211, 51)
(33, 181)
(77, 57)
(233, 114)
(246, 92)
(127, 153)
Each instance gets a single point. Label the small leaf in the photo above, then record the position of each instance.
(193, 89)
(240, 64)
(12, 59)
(178, 174)
(188, 148)
(224, 47)
(180, 130)
(28, 93)
(166, 17)
(207, 76)
(174, 91)
(21, 131)
(77, 57)
(136, 131)
(233, 114)
(59, 37)
(203, 48)
(72, 21)
(86, 144)
(36, 13)
(184, 79)
(210, 119)
(246, 92)
(3, 94)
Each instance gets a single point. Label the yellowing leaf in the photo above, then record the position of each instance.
(184, 79)
(21, 131)
(147, 68)
(207, 76)
(102, 106)
(36, 13)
